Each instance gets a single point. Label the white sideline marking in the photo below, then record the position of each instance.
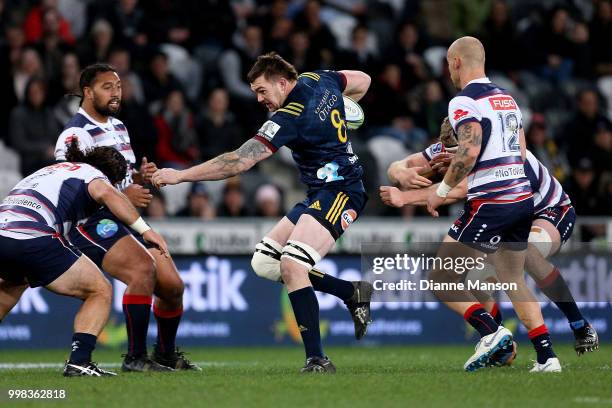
(30, 366)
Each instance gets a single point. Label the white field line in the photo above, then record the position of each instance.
(31, 366)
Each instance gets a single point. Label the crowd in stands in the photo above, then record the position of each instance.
(183, 66)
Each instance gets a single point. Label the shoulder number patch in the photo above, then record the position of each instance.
(268, 130)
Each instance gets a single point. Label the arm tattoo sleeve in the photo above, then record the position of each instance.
(469, 137)
(242, 159)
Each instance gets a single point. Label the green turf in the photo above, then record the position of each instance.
(380, 377)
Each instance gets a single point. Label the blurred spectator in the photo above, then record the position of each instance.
(582, 55)
(321, 38)
(431, 109)
(498, 36)
(68, 85)
(232, 202)
(97, 48)
(51, 46)
(159, 81)
(10, 55)
(600, 34)
(125, 16)
(583, 189)
(301, 54)
(34, 129)
(554, 50)
(407, 53)
(177, 144)
(268, 201)
(34, 23)
(386, 99)
(579, 136)
(545, 149)
(199, 204)
(362, 53)
(138, 120)
(29, 66)
(236, 62)
(157, 207)
(468, 16)
(218, 131)
(120, 59)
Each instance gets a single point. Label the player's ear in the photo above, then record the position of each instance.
(87, 93)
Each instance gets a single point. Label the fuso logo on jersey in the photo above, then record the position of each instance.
(502, 103)
(459, 113)
(107, 228)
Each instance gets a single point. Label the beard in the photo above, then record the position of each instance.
(106, 109)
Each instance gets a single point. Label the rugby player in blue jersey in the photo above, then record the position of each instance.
(309, 119)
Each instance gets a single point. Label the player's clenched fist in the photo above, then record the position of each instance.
(433, 202)
(138, 195)
(164, 177)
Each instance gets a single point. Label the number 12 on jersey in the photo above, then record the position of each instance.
(510, 131)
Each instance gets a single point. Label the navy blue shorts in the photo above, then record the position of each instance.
(336, 209)
(99, 233)
(562, 217)
(37, 261)
(484, 224)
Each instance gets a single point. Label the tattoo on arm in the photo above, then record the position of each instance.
(242, 159)
(469, 137)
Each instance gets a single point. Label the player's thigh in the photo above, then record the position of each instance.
(311, 232)
(81, 280)
(128, 259)
(281, 231)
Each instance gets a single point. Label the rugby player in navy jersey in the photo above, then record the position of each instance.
(309, 119)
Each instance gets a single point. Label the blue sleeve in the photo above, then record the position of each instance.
(339, 77)
(278, 131)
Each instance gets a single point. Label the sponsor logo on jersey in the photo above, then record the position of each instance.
(502, 103)
(316, 205)
(269, 130)
(107, 228)
(459, 113)
(437, 148)
(347, 218)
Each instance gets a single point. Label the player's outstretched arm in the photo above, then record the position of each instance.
(410, 172)
(221, 167)
(469, 136)
(394, 197)
(102, 192)
(357, 84)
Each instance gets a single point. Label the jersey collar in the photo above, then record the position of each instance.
(92, 120)
(483, 80)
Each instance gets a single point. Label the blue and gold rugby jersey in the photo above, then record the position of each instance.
(312, 124)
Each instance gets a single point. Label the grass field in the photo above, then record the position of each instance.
(381, 377)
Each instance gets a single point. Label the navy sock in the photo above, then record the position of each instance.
(137, 311)
(555, 288)
(497, 314)
(167, 326)
(83, 345)
(306, 311)
(322, 282)
(480, 319)
(542, 344)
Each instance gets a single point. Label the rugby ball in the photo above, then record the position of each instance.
(353, 113)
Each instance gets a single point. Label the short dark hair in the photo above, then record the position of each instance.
(271, 65)
(88, 75)
(104, 158)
